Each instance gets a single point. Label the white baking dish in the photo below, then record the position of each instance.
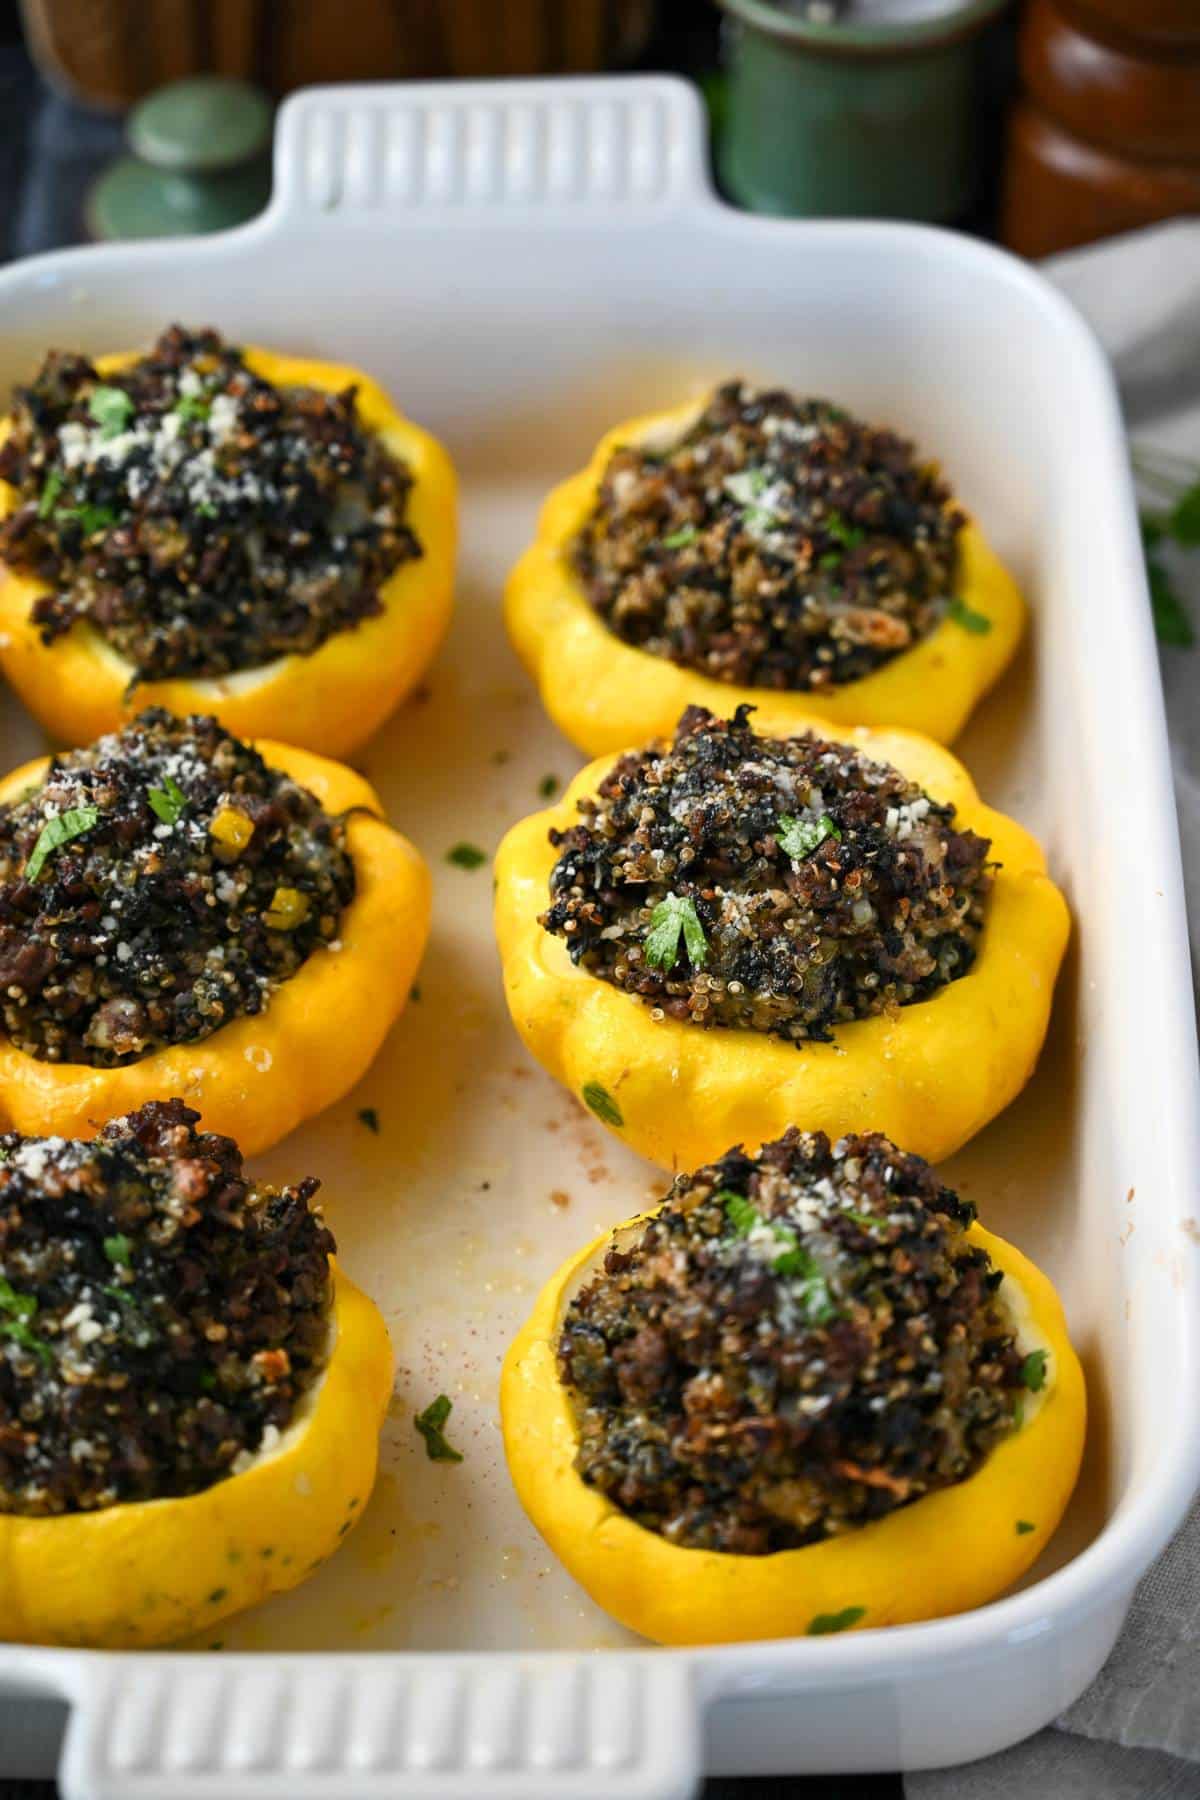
(523, 264)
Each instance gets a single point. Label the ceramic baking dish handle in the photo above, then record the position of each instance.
(428, 1728)
(488, 150)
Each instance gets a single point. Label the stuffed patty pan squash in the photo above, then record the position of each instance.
(208, 529)
(712, 939)
(807, 1395)
(191, 1391)
(756, 548)
(185, 914)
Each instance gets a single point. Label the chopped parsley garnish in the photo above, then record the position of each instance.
(59, 831)
(977, 623)
(600, 1101)
(466, 856)
(673, 917)
(118, 1250)
(1024, 1527)
(89, 519)
(141, 1332)
(826, 1623)
(16, 1312)
(111, 408)
(742, 1214)
(794, 1262)
(745, 487)
(193, 406)
(429, 1423)
(548, 786)
(167, 801)
(50, 493)
(687, 534)
(370, 1118)
(842, 532)
(1033, 1371)
(798, 838)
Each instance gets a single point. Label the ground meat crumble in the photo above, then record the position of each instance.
(797, 1343)
(158, 884)
(779, 543)
(199, 517)
(160, 1315)
(785, 885)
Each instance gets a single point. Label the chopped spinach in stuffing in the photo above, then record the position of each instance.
(158, 884)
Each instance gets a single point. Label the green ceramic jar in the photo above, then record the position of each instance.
(866, 112)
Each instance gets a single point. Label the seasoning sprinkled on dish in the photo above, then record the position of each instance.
(784, 885)
(198, 516)
(779, 543)
(156, 885)
(796, 1344)
(161, 1315)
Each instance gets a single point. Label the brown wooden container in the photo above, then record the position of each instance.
(108, 53)
(1107, 138)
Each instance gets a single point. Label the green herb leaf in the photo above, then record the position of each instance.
(1024, 1527)
(601, 1102)
(687, 534)
(205, 509)
(1033, 1371)
(141, 1332)
(16, 1311)
(429, 1423)
(832, 559)
(842, 532)
(747, 484)
(112, 408)
(1172, 626)
(798, 838)
(548, 786)
(167, 801)
(672, 917)
(50, 493)
(193, 406)
(826, 1623)
(977, 623)
(1018, 1414)
(742, 1214)
(118, 1250)
(466, 856)
(207, 1380)
(59, 831)
(370, 1118)
(90, 519)
(1183, 521)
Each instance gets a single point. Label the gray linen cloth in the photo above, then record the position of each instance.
(1135, 1734)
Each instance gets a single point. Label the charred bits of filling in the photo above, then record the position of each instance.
(158, 884)
(780, 543)
(160, 1314)
(798, 1343)
(811, 885)
(196, 515)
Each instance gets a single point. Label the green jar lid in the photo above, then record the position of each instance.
(200, 163)
(205, 124)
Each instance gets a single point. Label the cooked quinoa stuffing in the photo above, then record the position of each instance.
(161, 1315)
(156, 885)
(784, 885)
(797, 1343)
(779, 543)
(199, 517)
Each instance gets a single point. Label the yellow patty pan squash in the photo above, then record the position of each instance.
(604, 694)
(929, 1076)
(256, 1078)
(150, 1571)
(950, 1550)
(331, 700)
